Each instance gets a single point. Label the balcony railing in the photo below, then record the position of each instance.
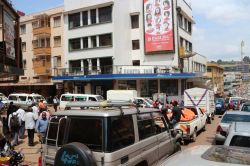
(41, 30)
(111, 70)
(42, 51)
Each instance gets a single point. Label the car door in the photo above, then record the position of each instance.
(203, 118)
(165, 141)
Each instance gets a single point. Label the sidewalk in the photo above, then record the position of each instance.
(31, 153)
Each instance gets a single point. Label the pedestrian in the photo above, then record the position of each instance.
(41, 106)
(35, 109)
(55, 103)
(177, 112)
(29, 119)
(47, 114)
(41, 126)
(21, 113)
(14, 126)
(12, 108)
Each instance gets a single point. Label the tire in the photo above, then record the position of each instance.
(74, 153)
(204, 128)
(194, 136)
(143, 163)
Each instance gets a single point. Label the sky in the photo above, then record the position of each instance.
(220, 25)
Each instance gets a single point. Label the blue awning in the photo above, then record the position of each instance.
(126, 76)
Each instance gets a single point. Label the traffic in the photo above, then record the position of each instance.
(116, 129)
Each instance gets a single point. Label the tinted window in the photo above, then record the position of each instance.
(13, 98)
(105, 14)
(92, 99)
(22, 98)
(145, 126)
(242, 141)
(246, 108)
(80, 98)
(228, 118)
(53, 131)
(90, 133)
(121, 132)
(67, 98)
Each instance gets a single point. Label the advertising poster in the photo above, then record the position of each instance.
(158, 26)
(9, 35)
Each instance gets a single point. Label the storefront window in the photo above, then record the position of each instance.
(170, 87)
(127, 84)
(148, 87)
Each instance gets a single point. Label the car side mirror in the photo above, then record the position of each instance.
(173, 133)
(223, 133)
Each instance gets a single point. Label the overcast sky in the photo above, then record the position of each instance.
(220, 26)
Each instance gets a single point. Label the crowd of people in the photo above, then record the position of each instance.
(34, 119)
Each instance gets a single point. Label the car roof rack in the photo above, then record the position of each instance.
(107, 103)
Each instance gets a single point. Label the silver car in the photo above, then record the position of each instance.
(227, 119)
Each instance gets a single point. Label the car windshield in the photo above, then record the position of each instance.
(227, 154)
(246, 108)
(219, 100)
(229, 118)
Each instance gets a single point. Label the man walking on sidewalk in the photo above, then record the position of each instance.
(21, 113)
(30, 119)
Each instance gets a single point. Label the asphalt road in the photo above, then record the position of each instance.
(206, 137)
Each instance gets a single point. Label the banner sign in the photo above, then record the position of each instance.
(158, 25)
(9, 35)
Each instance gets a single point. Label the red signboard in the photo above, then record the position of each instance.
(158, 26)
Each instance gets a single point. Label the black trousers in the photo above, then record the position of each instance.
(31, 133)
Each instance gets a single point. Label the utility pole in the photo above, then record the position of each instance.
(241, 49)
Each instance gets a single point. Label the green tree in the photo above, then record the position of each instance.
(219, 61)
(246, 59)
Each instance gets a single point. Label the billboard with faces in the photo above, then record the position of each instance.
(158, 26)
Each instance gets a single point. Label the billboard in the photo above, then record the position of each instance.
(9, 35)
(158, 25)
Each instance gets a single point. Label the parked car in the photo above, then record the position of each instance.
(210, 155)
(69, 97)
(227, 119)
(235, 100)
(220, 105)
(24, 100)
(245, 107)
(110, 135)
(238, 134)
(191, 128)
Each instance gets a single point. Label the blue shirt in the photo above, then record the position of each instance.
(41, 125)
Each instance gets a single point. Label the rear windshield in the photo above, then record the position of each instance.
(246, 108)
(229, 118)
(242, 141)
(227, 154)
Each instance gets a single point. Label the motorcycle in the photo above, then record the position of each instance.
(10, 157)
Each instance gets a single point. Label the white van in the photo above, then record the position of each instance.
(65, 98)
(24, 99)
(3, 98)
(122, 95)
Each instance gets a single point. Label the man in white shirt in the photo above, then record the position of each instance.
(35, 109)
(21, 113)
(30, 124)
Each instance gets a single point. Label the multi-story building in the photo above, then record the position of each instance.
(215, 73)
(126, 45)
(10, 50)
(42, 47)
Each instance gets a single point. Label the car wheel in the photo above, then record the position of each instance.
(194, 136)
(177, 146)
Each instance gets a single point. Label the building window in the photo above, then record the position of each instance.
(93, 16)
(135, 21)
(85, 42)
(74, 44)
(57, 61)
(35, 24)
(105, 40)
(85, 18)
(93, 42)
(57, 41)
(24, 64)
(185, 24)
(136, 62)
(135, 44)
(57, 21)
(74, 20)
(23, 29)
(23, 46)
(190, 47)
(105, 14)
(180, 21)
(189, 27)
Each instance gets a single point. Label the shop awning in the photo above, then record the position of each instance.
(127, 76)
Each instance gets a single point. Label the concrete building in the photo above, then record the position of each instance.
(42, 47)
(215, 73)
(127, 45)
(10, 52)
